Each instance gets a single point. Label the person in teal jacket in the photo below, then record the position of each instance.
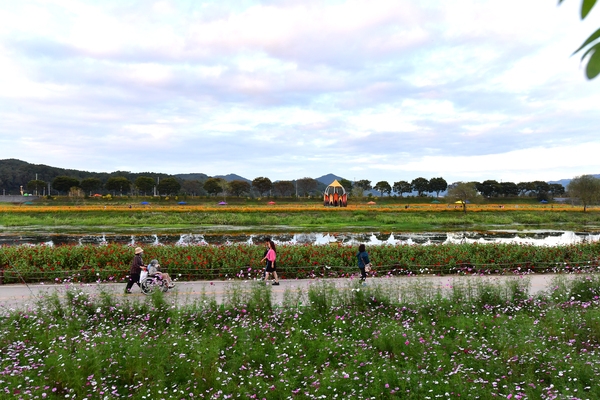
(363, 260)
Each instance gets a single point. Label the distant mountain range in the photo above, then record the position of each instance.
(325, 179)
(565, 182)
(14, 173)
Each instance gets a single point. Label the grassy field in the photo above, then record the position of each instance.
(293, 217)
(375, 342)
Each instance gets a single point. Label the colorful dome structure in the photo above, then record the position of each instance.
(335, 195)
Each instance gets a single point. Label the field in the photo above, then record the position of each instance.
(375, 342)
(293, 217)
(363, 342)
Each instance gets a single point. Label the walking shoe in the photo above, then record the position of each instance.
(275, 283)
(171, 285)
(128, 292)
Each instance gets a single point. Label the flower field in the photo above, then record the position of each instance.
(296, 217)
(373, 342)
(87, 263)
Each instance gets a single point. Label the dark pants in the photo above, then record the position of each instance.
(363, 273)
(133, 278)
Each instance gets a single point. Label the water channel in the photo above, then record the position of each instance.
(542, 238)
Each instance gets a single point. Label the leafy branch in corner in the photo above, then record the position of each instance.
(592, 43)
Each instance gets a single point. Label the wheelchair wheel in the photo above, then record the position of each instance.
(150, 285)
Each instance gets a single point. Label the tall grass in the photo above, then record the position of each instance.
(479, 340)
(309, 219)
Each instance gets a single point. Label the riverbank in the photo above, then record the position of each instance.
(288, 218)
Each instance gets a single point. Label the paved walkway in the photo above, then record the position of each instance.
(24, 296)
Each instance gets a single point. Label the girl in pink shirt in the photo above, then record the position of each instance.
(270, 257)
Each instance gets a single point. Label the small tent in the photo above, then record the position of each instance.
(335, 195)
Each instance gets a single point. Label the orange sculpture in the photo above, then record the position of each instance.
(335, 195)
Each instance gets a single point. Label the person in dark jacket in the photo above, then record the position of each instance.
(363, 260)
(135, 270)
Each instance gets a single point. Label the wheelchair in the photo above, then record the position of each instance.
(154, 283)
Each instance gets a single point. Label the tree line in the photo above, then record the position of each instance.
(80, 183)
(263, 186)
(584, 189)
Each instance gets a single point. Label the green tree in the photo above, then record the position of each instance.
(144, 184)
(525, 187)
(586, 188)
(437, 185)
(262, 185)
(383, 187)
(509, 189)
(489, 188)
(36, 186)
(541, 189)
(465, 192)
(118, 184)
(168, 186)
(91, 184)
(420, 185)
(347, 185)
(193, 187)
(284, 188)
(364, 184)
(556, 189)
(306, 186)
(213, 186)
(239, 188)
(591, 44)
(64, 183)
(402, 187)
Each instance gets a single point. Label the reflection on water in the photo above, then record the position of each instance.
(542, 238)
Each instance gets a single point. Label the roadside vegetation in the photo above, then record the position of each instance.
(110, 262)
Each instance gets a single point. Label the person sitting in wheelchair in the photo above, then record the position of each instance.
(154, 271)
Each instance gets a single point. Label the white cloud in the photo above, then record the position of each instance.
(468, 89)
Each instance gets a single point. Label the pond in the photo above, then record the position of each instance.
(542, 238)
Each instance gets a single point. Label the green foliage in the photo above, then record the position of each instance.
(144, 184)
(383, 187)
(168, 186)
(36, 186)
(64, 183)
(239, 188)
(213, 186)
(591, 45)
(91, 184)
(262, 185)
(376, 342)
(586, 188)
(118, 184)
(420, 185)
(242, 261)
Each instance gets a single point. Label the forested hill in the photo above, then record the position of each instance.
(14, 173)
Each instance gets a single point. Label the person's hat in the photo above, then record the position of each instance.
(138, 250)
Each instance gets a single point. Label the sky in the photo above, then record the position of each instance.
(466, 90)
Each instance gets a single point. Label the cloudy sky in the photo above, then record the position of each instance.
(364, 89)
